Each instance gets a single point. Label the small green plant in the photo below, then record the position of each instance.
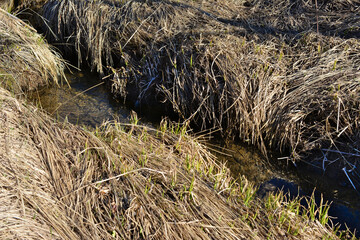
(147, 189)
(134, 118)
(143, 158)
(323, 211)
(210, 170)
(191, 188)
(163, 127)
(249, 194)
(317, 212)
(334, 65)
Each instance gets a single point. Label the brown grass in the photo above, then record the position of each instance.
(24, 55)
(127, 182)
(7, 5)
(123, 181)
(258, 70)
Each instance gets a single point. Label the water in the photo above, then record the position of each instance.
(87, 102)
(300, 180)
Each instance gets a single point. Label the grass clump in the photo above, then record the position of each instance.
(7, 5)
(25, 55)
(287, 81)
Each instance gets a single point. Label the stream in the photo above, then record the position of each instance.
(86, 101)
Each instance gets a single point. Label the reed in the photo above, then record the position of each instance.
(127, 181)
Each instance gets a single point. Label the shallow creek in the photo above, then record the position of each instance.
(87, 102)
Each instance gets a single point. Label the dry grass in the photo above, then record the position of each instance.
(280, 74)
(127, 182)
(124, 181)
(24, 55)
(7, 5)
(14, 5)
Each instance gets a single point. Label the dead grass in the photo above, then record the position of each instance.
(127, 182)
(25, 55)
(124, 181)
(282, 75)
(7, 5)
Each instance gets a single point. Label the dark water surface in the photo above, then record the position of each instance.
(84, 101)
(303, 180)
(87, 102)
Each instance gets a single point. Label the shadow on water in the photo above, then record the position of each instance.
(301, 180)
(340, 213)
(87, 102)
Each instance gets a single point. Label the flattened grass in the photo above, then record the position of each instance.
(126, 181)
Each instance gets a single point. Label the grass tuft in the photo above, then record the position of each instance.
(25, 55)
(261, 71)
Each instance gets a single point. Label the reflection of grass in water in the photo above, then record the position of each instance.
(243, 160)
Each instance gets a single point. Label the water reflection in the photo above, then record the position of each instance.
(244, 160)
(84, 101)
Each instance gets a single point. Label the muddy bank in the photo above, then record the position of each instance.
(290, 83)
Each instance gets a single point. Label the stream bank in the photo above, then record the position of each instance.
(286, 86)
(89, 103)
(112, 137)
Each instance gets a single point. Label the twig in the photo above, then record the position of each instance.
(115, 177)
(317, 19)
(338, 116)
(345, 153)
(347, 175)
(131, 37)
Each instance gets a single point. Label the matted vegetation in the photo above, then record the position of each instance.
(282, 75)
(124, 181)
(129, 182)
(25, 55)
(7, 5)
